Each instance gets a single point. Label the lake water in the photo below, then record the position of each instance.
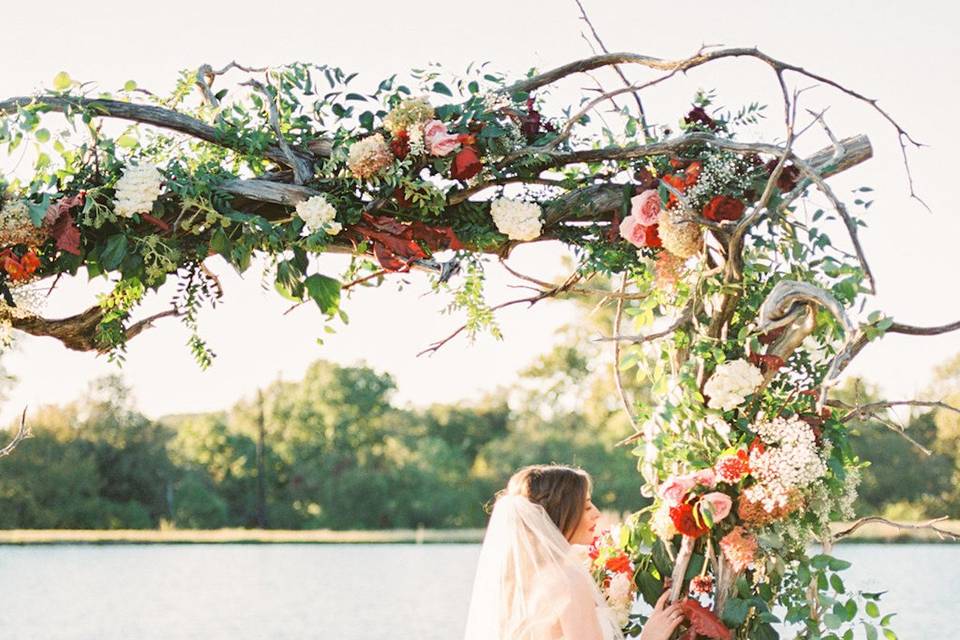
(342, 592)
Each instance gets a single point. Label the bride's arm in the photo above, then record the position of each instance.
(578, 620)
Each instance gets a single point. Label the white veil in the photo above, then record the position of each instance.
(526, 576)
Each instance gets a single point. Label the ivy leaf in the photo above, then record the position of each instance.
(325, 291)
(114, 251)
(736, 611)
(439, 87)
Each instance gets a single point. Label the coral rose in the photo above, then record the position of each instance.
(720, 505)
(639, 235)
(646, 207)
(438, 140)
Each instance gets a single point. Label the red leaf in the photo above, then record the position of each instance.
(768, 338)
(766, 363)
(396, 244)
(703, 621)
(59, 220)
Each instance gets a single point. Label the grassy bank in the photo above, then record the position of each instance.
(871, 532)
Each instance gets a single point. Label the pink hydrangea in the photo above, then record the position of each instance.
(645, 207)
(438, 140)
(739, 548)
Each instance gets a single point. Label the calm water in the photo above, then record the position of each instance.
(341, 592)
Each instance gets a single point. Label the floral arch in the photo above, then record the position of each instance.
(745, 455)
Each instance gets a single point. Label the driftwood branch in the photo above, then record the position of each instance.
(145, 114)
(930, 525)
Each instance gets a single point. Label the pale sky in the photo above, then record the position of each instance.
(905, 58)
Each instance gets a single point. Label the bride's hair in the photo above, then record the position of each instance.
(561, 490)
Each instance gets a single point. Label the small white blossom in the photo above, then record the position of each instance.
(731, 383)
(318, 214)
(517, 220)
(791, 462)
(137, 190)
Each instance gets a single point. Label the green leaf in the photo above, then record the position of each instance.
(39, 210)
(325, 291)
(735, 612)
(130, 85)
(871, 631)
(42, 135)
(832, 621)
(836, 564)
(127, 141)
(889, 634)
(114, 251)
(872, 609)
(62, 81)
(439, 87)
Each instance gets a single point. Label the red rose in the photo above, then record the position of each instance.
(691, 174)
(699, 115)
(619, 564)
(400, 144)
(466, 164)
(723, 208)
(789, 175)
(686, 521)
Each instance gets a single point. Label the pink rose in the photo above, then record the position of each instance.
(437, 140)
(645, 207)
(720, 504)
(639, 235)
(676, 487)
(706, 477)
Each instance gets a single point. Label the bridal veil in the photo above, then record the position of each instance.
(529, 578)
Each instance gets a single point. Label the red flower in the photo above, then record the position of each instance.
(702, 584)
(723, 208)
(400, 144)
(466, 164)
(619, 564)
(678, 183)
(703, 621)
(691, 174)
(789, 175)
(30, 261)
(757, 445)
(766, 363)
(686, 522)
(732, 468)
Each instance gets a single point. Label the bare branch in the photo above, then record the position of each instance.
(930, 525)
(23, 432)
(302, 169)
(617, 374)
(870, 408)
(685, 316)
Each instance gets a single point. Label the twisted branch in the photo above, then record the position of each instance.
(930, 525)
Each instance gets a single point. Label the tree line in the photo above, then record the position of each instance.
(334, 451)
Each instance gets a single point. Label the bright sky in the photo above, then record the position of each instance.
(904, 58)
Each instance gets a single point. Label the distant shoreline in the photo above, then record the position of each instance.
(871, 532)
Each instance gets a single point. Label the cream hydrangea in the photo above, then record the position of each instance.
(731, 383)
(682, 239)
(369, 156)
(409, 112)
(318, 214)
(137, 190)
(515, 219)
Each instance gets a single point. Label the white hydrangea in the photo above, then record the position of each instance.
(318, 214)
(517, 220)
(792, 462)
(137, 190)
(731, 383)
(662, 524)
(620, 597)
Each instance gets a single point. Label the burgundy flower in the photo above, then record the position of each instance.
(699, 116)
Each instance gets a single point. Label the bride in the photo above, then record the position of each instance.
(531, 584)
